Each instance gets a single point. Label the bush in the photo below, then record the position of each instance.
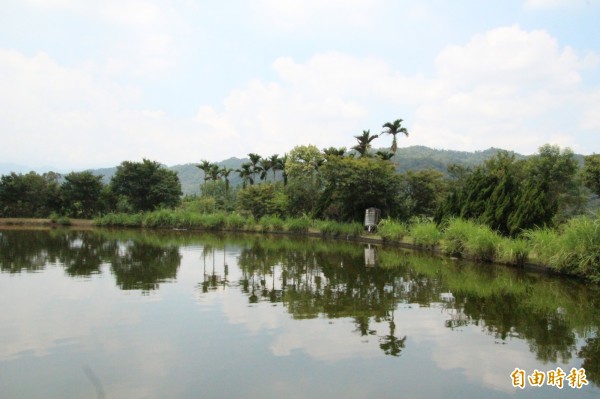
(482, 243)
(337, 229)
(235, 221)
(390, 229)
(425, 234)
(271, 223)
(579, 247)
(514, 251)
(298, 225)
(456, 234)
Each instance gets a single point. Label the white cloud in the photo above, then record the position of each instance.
(540, 4)
(506, 88)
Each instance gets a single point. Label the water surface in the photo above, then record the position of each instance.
(131, 314)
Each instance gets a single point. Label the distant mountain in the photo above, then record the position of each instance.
(408, 158)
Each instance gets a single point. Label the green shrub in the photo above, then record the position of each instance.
(235, 221)
(337, 229)
(543, 244)
(298, 225)
(120, 219)
(392, 230)
(482, 243)
(271, 223)
(456, 234)
(578, 249)
(425, 234)
(513, 250)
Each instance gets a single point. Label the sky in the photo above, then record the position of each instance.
(92, 83)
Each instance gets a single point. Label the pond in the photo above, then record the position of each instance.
(137, 314)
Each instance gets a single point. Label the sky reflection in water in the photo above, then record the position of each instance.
(152, 315)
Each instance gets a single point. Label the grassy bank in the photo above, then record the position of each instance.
(573, 249)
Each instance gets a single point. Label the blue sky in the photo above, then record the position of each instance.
(94, 83)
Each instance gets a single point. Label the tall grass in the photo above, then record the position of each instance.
(579, 247)
(392, 230)
(456, 234)
(337, 229)
(298, 225)
(425, 234)
(513, 251)
(482, 243)
(271, 223)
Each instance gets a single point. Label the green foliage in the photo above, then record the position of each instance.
(482, 243)
(543, 243)
(236, 221)
(456, 234)
(120, 219)
(82, 193)
(59, 219)
(298, 225)
(303, 160)
(146, 185)
(591, 173)
(353, 185)
(262, 199)
(511, 195)
(422, 192)
(579, 247)
(425, 234)
(513, 251)
(337, 229)
(29, 195)
(271, 223)
(220, 192)
(392, 230)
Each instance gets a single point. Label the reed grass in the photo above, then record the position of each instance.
(392, 230)
(425, 234)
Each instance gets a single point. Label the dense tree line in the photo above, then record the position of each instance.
(507, 193)
(136, 186)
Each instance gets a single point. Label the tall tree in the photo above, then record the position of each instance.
(265, 167)
(276, 164)
(364, 142)
(146, 185)
(254, 159)
(245, 173)
(591, 173)
(225, 172)
(81, 194)
(205, 166)
(394, 128)
(214, 172)
(29, 195)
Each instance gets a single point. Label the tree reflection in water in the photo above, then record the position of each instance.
(558, 318)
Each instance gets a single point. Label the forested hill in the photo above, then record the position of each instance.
(408, 158)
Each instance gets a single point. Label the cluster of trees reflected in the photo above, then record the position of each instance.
(316, 278)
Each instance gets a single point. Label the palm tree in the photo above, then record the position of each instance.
(254, 159)
(205, 166)
(245, 174)
(364, 142)
(385, 155)
(334, 152)
(275, 164)
(394, 128)
(264, 168)
(225, 172)
(281, 165)
(214, 172)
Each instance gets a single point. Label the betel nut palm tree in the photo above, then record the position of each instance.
(364, 142)
(394, 128)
